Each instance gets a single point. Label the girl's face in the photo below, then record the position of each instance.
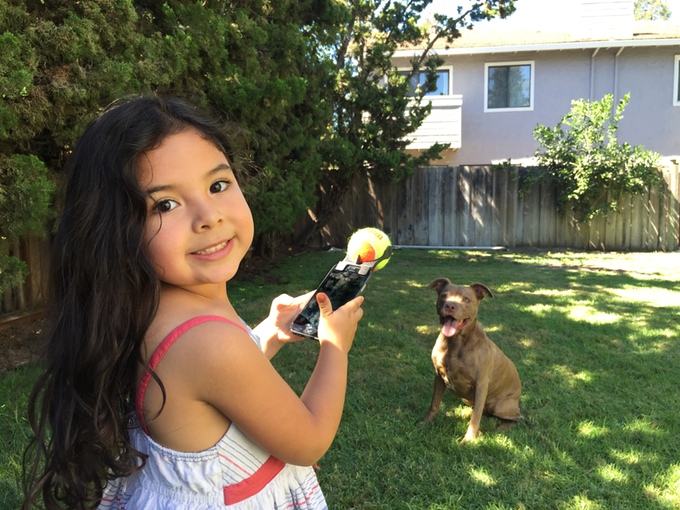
(198, 225)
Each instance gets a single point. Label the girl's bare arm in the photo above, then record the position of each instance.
(233, 376)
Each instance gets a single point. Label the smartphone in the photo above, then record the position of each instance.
(344, 282)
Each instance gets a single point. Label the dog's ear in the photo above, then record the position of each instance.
(481, 290)
(439, 284)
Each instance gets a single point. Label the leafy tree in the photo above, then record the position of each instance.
(372, 111)
(651, 10)
(582, 156)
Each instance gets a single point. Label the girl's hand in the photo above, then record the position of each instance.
(274, 331)
(282, 312)
(339, 326)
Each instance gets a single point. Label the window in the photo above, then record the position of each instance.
(676, 82)
(509, 86)
(443, 82)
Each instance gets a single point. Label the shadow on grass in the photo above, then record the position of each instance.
(598, 355)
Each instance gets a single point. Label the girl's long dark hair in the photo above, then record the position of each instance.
(103, 296)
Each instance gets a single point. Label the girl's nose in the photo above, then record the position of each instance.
(207, 216)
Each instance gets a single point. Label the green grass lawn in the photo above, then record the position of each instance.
(595, 340)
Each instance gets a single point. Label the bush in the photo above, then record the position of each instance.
(590, 168)
(25, 206)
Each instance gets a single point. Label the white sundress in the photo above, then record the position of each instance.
(235, 473)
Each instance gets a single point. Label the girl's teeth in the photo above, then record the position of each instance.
(212, 250)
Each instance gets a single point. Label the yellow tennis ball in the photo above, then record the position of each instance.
(368, 244)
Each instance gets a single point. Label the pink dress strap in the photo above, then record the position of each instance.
(163, 348)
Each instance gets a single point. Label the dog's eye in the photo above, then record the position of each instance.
(466, 299)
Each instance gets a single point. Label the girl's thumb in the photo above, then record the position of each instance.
(325, 306)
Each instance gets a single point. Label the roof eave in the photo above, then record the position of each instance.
(581, 45)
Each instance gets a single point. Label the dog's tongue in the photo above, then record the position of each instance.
(451, 326)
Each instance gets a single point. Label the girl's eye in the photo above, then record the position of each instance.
(163, 206)
(219, 186)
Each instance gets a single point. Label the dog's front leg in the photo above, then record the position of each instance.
(481, 391)
(437, 395)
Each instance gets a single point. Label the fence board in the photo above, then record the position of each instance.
(514, 216)
(483, 198)
(674, 209)
(464, 208)
(531, 216)
(450, 228)
(477, 192)
(419, 197)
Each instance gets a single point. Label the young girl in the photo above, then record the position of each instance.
(156, 394)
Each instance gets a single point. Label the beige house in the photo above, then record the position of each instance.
(497, 84)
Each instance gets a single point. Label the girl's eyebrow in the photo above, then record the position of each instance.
(163, 187)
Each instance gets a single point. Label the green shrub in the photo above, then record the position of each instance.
(590, 168)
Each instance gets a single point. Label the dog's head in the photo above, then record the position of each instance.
(457, 304)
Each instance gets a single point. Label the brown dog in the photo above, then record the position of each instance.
(467, 362)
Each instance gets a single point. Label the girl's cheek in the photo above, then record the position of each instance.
(152, 227)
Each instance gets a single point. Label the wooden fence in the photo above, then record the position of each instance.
(29, 295)
(481, 207)
(452, 207)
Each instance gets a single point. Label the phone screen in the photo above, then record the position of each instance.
(343, 283)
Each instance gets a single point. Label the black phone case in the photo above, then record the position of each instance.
(342, 283)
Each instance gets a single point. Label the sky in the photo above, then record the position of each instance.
(530, 12)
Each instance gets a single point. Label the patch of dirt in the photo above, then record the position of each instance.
(21, 341)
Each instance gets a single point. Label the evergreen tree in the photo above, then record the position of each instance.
(257, 66)
(261, 67)
(58, 60)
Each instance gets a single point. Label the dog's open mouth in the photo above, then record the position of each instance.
(451, 326)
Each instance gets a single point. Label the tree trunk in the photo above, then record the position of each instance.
(331, 194)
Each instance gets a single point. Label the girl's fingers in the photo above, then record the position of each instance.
(325, 306)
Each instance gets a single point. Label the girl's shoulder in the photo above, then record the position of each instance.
(179, 310)
(189, 360)
(205, 330)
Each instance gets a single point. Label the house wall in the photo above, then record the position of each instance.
(650, 119)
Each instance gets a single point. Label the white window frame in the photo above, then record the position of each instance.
(448, 68)
(532, 67)
(676, 80)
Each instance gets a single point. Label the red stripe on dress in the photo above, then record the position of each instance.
(160, 351)
(252, 485)
(115, 499)
(308, 497)
(233, 463)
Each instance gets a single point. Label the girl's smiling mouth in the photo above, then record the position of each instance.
(216, 249)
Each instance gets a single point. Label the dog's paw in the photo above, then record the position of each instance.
(470, 437)
(425, 421)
